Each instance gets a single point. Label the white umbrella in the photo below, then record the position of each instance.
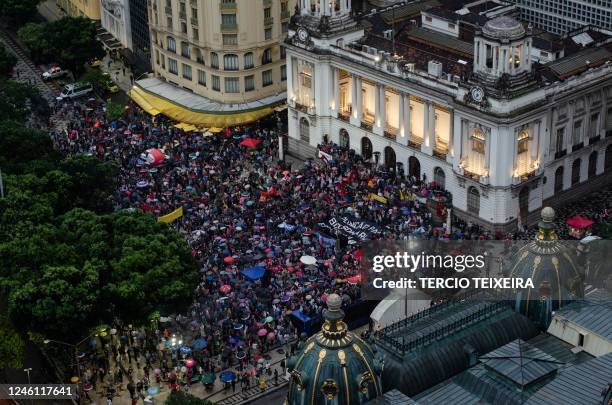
(308, 260)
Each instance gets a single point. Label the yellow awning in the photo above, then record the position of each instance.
(154, 104)
(214, 130)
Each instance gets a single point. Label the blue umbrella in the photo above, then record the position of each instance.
(200, 344)
(153, 390)
(185, 349)
(227, 376)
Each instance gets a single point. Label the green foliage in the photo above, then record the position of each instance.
(95, 77)
(14, 99)
(183, 398)
(114, 110)
(18, 11)
(7, 62)
(70, 41)
(25, 150)
(11, 345)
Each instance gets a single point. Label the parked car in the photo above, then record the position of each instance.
(75, 90)
(95, 63)
(54, 73)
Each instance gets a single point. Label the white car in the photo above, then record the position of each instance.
(75, 90)
(53, 73)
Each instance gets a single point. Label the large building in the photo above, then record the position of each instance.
(504, 118)
(225, 55)
(563, 16)
(81, 8)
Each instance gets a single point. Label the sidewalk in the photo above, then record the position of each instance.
(119, 73)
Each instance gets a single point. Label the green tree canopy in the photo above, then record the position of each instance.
(14, 99)
(70, 41)
(25, 150)
(7, 62)
(18, 11)
(11, 345)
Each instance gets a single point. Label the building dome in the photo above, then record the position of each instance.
(503, 28)
(334, 366)
(552, 266)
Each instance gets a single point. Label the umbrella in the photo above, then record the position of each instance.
(142, 184)
(262, 332)
(189, 363)
(153, 390)
(308, 260)
(227, 376)
(157, 371)
(228, 260)
(240, 355)
(185, 350)
(269, 319)
(271, 336)
(250, 142)
(354, 279)
(154, 156)
(200, 344)
(225, 288)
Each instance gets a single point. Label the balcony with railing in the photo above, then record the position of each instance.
(227, 5)
(285, 14)
(194, 20)
(267, 3)
(168, 10)
(229, 27)
(415, 142)
(391, 132)
(344, 115)
(182, 15)
(268, 20)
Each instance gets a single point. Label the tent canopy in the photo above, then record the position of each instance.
(580, 222)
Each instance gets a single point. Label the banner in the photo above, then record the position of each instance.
(326, 157)
(378, 198)
(354, 229)
(171, 217)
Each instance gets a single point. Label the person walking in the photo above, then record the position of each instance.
(275, 376)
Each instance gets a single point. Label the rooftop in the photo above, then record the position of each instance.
(594, 316)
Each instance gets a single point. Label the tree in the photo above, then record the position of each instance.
(7, 62)
(25, 150)
(18, 11)
(69, 41)
(11, 345)
(14, 98)
(114, 110)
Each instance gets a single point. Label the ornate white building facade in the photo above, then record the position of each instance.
(115, 18)
(501, 137)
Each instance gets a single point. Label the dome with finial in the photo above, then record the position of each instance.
(552, 266)
(503, 28)
(334, 366)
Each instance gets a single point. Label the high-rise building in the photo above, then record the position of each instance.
(139, 28)
(226, 52)
(561, 16)
(81, 8)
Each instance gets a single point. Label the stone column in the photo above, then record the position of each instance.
(290, 64)
(356, 100)
(432, 126)
(335, 73)
(400, 114)
(426, 148)
(451, 136)
(377, 127)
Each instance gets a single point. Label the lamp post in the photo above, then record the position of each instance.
(76, 351)
(27, 370)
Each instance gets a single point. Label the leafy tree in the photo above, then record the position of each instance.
(92, 182)
(183, 398)
(24, 150)
(18, 11)
(14, 99)
(114, 110)
(7, 62)
(70, 41)
(11, 345)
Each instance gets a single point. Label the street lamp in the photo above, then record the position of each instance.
(75, 347)
(27, 370)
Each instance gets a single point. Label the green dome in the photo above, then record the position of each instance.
(551, 264)
(334, 366)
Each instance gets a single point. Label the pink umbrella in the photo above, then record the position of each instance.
(189, 363)
(225, 288)
(271, 336)
(354, 279)
(262, 332)
(228, 260)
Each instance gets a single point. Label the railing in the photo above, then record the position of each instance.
(471, 175)
(560, 154)
(367, 125)
(194, 21)
(227, 6)
(268, 20)
(390, 135)
(229, 27)
(594, 139)
(182, 15)
(415, 143)
(577, 146)
(168, 10)
(344, 116)
(440, 153)
(285, 14)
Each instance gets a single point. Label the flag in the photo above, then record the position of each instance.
(171, 217)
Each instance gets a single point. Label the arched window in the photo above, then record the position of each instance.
(171, 44)
(345, 140)
(439, 177)
(185, 52)
(414, 167)
(473, 200)
(608, 158)
(366, 148)
(304, 130)
(248, 60)
(593, 164)
(576, 171)
(559, 179)
(199, 56)
(214, 60)
(389, 158)
(230, 62)
(266, 57)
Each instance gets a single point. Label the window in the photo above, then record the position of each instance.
(248, 60)
(559, 141)
(345, 139)
(592, 164)
(577, 135)
(304, 130)
(201, 77)
(594, 127)
(232, 85)
(268, 34)
(559, 179)
(266, 57)
(216, 83)
(185, 50)
(473, 200)
(285, 27)
(230, 62)
(439, 177)
(183, 27)
(214, 60)
(195, 34)
(171, 44)
(249, 83)
(186, 71)
(523, 142)
(283, 52)
(230, 39)
(267, 12)
(283, 73)
(266, 78)
(199, 56)
(169, 23)
(428, 19)
(172, 66)
(576, 171)
(228, 19)
(478, 141)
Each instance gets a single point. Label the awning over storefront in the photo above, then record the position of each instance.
(156, 96)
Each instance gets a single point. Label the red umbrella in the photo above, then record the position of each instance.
(354, 279)
(228, 260)
(250, 142)
(225, 288)
(155, 156)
